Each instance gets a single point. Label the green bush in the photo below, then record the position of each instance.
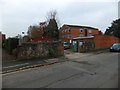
(51, 52)
(10, 44)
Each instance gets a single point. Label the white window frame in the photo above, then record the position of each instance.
(90, 31)
(68, 36)
(81, 30)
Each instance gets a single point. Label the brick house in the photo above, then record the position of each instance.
(68, 32)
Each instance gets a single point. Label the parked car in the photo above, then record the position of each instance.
(66, 45)
(115, 47)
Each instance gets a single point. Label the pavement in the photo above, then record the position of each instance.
(16, 65)
(92, 71)
(10, 64)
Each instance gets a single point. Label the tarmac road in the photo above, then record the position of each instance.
(94, 71)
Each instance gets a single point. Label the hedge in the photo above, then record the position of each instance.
(10, 44)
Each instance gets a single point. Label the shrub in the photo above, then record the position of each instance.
(10, 44)
(51, 52)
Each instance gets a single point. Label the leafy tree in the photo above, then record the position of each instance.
(114, 29)
(33, 32)
(11, 44)
(52, 27)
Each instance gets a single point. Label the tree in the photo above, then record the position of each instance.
(114, 29)
(52, 27)
(49, 28)
(33, 32)
(52, 15)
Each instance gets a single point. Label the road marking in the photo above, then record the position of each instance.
(15, 65)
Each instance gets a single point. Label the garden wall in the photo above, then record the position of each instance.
(102, 42)
(40, 50)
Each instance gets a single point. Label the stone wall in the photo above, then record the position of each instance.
(40, 50)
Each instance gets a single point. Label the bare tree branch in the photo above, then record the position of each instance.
(53, 15)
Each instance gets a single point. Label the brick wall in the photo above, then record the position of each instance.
(102, 42)
(75, 32)
(40, 50)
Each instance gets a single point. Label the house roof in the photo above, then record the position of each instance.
(81, 26)
(84, 37)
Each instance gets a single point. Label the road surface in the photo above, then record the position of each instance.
(93, 71)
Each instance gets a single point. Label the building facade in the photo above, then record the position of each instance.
(68, 32)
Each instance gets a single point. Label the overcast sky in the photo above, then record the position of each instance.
(17, 15)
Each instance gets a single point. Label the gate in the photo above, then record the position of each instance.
(75, 46)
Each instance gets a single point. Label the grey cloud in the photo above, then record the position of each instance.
(95, 14)
(17, 18)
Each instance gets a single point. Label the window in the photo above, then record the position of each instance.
(64, 36)
(68, 29)
(65, 30)
(68, 36)
(90, 31)
(81, 30)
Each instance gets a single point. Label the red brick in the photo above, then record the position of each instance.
(104, 41)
